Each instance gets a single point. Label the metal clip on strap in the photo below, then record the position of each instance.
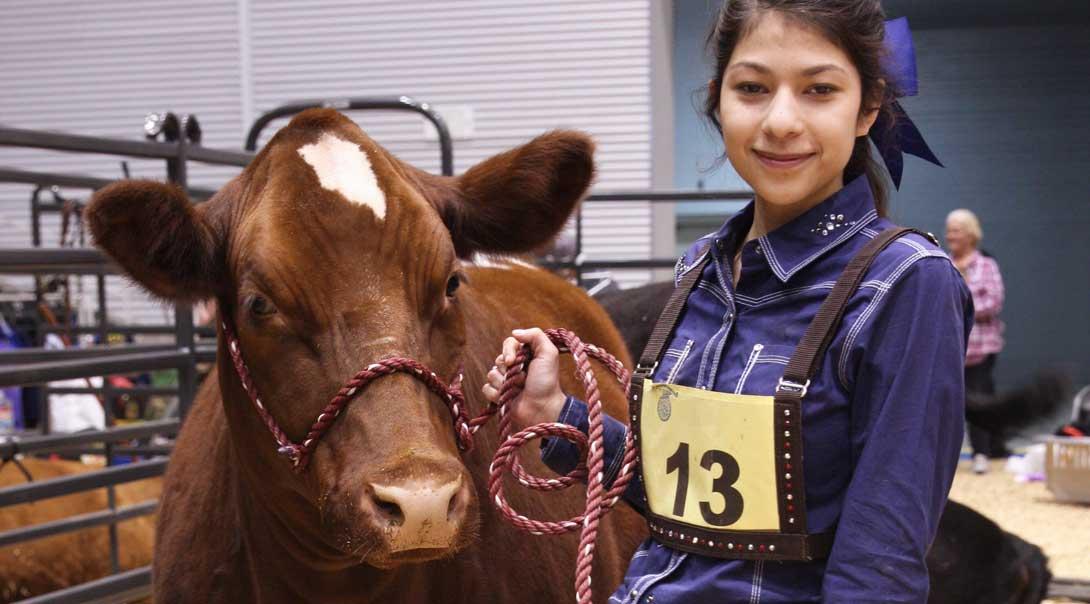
(789, 387)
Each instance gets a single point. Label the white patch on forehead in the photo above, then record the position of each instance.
(343, 167)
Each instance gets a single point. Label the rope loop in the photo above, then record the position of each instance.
(592, 455)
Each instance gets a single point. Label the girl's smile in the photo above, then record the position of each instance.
(782, 161)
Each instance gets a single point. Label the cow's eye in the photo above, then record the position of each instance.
(261, 307)
(452, 284)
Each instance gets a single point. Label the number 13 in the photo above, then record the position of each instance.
(733, 504)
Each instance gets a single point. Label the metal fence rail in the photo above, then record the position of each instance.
(39, 366)
(77, 523)
(403, 103)
(122, 587)
(40, 373)
(13, 445)
(66, 485)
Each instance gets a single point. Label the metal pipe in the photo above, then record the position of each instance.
(219, 156)
(69, 260)
(66, 485)
(204, 332)
(76, 523)
(118, 451)
(612, 264)
(111, 503)
(137, 390)
(37, 373)
(177, 171)
(403, 103)
(669, 196)
(14, 444)
(49, 179)
(38, 139)
(124, 587)
(56, 141)
(42, 355)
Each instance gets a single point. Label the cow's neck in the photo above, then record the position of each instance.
(284, 549)
(281, 530)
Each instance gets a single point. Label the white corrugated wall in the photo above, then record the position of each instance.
(520, 67)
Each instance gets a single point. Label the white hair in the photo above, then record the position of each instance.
(968, 221)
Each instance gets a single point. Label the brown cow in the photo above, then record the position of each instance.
(44, 565)
(328, 253)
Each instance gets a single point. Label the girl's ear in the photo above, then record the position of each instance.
(868, 113)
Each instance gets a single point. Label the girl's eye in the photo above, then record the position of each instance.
(822, 89)
(749, 88)
(260, 306)
(452, 285)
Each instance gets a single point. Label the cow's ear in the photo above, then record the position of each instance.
(518, 200)
(162, 240)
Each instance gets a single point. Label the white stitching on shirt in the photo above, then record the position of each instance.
(681, 360)
(749, 301)
(753, 354)
(760, 582)
(857, 327)
(647, 581)
(708, 347)
(785, 275)
(714, 291)
(755, 584)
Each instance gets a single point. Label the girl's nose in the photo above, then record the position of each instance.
(783, 119)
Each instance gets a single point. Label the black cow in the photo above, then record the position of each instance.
(972, 560)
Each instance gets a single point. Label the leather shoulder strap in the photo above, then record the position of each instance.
(819, 334)
(669, 317)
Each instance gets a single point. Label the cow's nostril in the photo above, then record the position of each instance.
(459, 503)
(389, 511)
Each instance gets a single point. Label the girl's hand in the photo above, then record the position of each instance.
(541, 399)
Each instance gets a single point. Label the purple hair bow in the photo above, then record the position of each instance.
(901, 136)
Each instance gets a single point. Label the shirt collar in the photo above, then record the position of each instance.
(795, 245)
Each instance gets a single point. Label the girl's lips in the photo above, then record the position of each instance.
(782, 162)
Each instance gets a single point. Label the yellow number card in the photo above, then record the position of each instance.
(708, 458)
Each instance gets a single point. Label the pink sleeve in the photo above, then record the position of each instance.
(988, 290)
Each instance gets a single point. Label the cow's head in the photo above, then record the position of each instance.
(327, 254)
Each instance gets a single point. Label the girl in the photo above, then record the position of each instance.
(736, 512)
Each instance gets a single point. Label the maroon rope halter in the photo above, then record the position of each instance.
(299, 453)
(599, 500)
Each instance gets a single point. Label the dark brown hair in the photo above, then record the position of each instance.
(856, 26)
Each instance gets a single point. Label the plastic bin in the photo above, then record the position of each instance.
(1067, 468)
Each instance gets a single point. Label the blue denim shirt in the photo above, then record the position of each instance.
(882, 420)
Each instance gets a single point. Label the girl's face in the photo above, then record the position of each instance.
(958, 239)
(790, 112)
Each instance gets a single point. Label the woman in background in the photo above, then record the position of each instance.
(981, 272)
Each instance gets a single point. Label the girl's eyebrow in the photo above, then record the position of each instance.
(751, 65)
(816, 69)
(808, 72)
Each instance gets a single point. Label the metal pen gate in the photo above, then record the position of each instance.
(180, 145)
